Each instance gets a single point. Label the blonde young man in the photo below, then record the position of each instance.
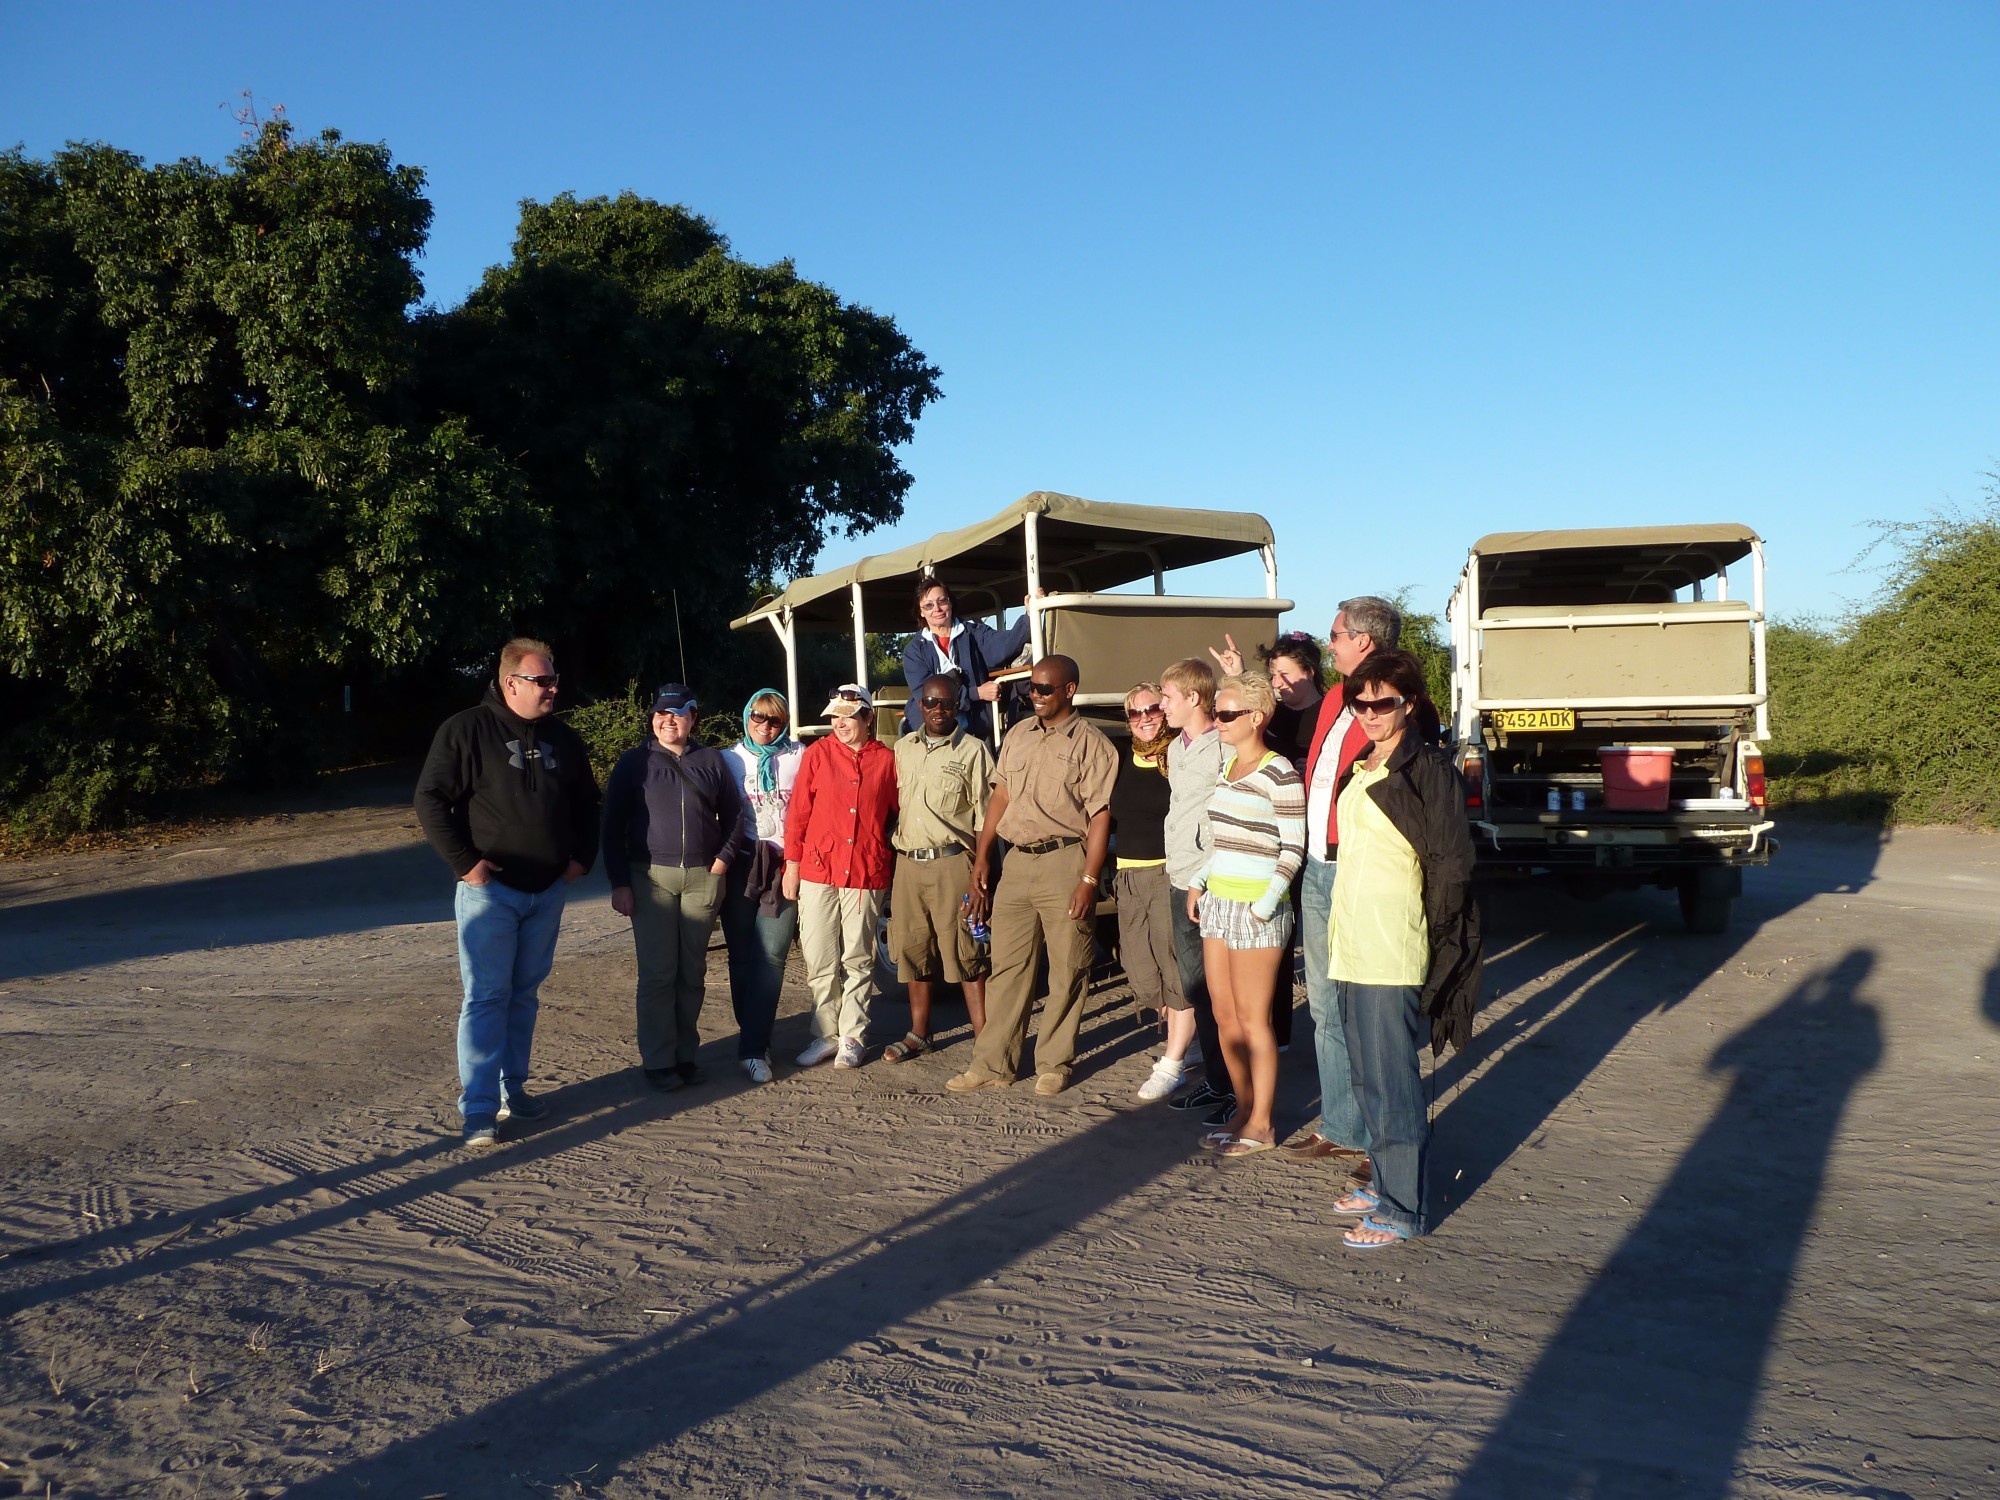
(942, 780)
(1052, 804)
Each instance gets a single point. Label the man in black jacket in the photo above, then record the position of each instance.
(508, 800)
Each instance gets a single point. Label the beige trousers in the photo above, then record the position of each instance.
(1030, 908)
(837, 936)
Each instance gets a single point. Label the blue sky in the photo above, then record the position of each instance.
(1395, 276)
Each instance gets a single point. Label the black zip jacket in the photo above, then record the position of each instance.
(515, 792)
(1424, 796)
(667, 809)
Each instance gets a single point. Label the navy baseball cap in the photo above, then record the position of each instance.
(674, 698)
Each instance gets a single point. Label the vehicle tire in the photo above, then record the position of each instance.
(1706, 896)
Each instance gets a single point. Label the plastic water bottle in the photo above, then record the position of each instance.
(1555, 799)
(976, 927)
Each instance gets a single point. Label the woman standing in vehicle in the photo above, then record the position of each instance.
(673, 819)
(758, 920)
(1243, 901)
(837, 867)
(964, 649)
(1405, 944)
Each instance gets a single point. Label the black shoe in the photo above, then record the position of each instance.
(1224, 1114)
(519, 1104)
(666, 1080)
(1202, 1097)
(691, 1073)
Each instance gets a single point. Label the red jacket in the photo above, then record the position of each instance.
(837, 826)
(1351, 745)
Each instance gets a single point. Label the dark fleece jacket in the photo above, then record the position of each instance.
(1424, 796)
(513, 791)
(666, 809)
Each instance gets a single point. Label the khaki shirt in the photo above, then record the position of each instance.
(1057, 779)
(943, 790)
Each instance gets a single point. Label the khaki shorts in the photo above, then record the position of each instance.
(927, 923)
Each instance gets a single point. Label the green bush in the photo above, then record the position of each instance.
(1893, 714)
(611, 726)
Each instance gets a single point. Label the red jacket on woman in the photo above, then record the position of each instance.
(837, 826)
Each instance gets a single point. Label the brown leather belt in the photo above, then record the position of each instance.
(1046, 846)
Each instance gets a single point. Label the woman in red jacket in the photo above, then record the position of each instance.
(837, 867)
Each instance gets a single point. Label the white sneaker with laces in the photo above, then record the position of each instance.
(818, 1050)
(759, 1069)
(1162, 1081)
(850, 1053)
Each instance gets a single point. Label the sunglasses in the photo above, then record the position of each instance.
(1151, 711)
(1043, 689)
(757, 717)
(935, 702)
(1231, 715)
(545, 680)
(1375, 705)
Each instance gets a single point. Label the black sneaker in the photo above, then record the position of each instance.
(519, 1104)
(691, 1073)
(666, 1080)
(1224, 1113)
(1201, 1097)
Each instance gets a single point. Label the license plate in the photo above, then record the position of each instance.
(1526, 720)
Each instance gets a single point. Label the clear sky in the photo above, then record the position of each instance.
(1393, 275)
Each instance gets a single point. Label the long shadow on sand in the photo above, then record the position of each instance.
(349, 893)
(605, 1410)
(1989, 995)
(1648, 1387)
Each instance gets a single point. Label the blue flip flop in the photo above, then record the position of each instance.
(1374, 1202)
(1397, 1230)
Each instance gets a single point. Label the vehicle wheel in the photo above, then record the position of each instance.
(1706, 896)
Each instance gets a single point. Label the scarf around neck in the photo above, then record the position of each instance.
(766, 755)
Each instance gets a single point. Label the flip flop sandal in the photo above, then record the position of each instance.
(1216, 1140)
(1369, 1203)
(1352, 1243)
(1243, 1145)
(910, 1046)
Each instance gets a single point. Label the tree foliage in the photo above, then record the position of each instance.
(238, 470)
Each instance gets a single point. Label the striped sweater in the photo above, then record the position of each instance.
(1259, 828)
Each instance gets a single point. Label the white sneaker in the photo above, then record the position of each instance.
(850, 1053)
(818, 1050)
(1162, 1081)
(759, 1069)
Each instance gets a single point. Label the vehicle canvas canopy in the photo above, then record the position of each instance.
(1077, 551)
(1605, 565)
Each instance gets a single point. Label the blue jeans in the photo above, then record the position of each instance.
(1385, 1026)
(758, 946)
(506, 946)
(1340, 1118)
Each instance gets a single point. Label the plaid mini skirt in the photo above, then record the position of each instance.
(1231, 923)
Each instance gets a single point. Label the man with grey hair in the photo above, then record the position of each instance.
(1362, 626)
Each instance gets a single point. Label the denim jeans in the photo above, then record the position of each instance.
(1385, 1027)
(506, 945)
(758, 946)
(1194, 985)
(1340, 1118)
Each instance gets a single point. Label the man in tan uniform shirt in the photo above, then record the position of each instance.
(1052, 804)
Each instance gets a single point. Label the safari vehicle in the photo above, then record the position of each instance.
(1609, 699)
(1079, 551)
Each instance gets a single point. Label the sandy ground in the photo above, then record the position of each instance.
(1717, 1217)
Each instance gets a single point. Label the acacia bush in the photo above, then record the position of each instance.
(1893, 713)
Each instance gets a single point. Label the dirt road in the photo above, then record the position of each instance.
(1717, 1217)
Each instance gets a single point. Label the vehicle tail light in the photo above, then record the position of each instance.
(1474, 772)
(1753, 777)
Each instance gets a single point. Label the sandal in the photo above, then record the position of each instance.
(907, 1048)
(1217, 1140)
(1360, 1203)
(1243, 1145)
(1397, 1234)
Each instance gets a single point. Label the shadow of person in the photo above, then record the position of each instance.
(1649, 1385)
(1989, 996)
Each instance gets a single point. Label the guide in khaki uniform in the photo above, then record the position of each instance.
(1052, 804)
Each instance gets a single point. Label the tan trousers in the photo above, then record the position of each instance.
(1031, 908)
(673, 912)
(837, 935)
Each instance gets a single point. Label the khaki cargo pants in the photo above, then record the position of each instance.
(1030, 909)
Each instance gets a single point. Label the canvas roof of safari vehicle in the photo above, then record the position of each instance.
(1084, 546)
(1604, 564)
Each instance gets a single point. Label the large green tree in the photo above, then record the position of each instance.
(217, 496)
(693, 422)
